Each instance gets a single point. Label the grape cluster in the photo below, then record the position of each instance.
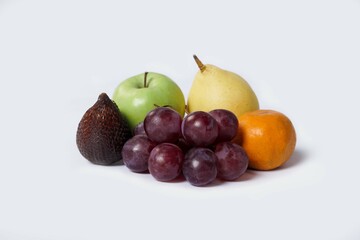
(198, 146)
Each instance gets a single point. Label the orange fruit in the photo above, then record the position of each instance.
(268, 138)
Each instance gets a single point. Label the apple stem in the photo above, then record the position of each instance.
(199, 63)
(145, 76)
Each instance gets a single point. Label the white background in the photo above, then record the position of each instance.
(301, 58)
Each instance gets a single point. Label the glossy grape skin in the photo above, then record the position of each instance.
(199, 167)
(136, 152)
(165, 162)
(232, 161)
(227, 122)
(199, 129)
(163, 124)
(139, 129)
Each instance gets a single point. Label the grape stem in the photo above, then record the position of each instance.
(169, 106)
(187, 109)
(199, 63)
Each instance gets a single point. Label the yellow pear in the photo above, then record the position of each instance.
(215, 88)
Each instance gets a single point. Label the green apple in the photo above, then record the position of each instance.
(138, 95)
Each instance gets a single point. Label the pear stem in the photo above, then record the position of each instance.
(145, 76)
(199, 63)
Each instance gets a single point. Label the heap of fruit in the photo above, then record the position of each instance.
(198, 146)
(223, 133)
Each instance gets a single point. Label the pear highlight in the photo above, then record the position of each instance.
(216, 88)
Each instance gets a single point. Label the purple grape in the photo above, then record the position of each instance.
(183, 145)
(139, 129)
(227, 122)
(165, 162)
(163, 124)
(232, 160)
(136, 152)
(199, 129)
(199, 167)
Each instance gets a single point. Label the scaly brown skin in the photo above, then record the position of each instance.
(102, 132)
